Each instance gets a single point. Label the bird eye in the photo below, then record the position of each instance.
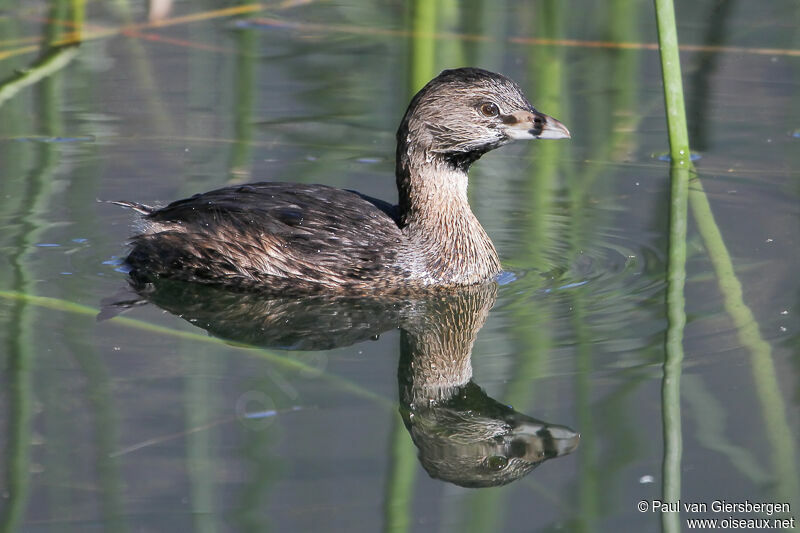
(496, 462)
(489, 109)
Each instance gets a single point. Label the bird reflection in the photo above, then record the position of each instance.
(463, 436)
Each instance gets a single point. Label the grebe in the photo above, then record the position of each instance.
(284, 236)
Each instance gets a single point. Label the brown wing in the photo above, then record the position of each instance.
(274, 234)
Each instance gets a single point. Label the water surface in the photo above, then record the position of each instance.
(146, 422)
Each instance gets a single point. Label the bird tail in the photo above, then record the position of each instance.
(141, 208)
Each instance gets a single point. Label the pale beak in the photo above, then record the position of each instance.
(534, 125)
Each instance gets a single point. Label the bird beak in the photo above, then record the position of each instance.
(546, 127)
(534, 125)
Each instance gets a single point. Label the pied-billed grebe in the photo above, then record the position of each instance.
(282, 236)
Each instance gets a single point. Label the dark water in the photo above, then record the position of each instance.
(145, 422)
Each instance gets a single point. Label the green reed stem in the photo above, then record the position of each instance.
(246, 74)
(78, 15)
(680, 169)
(400, 482)
(673, 84)
(50, 63)
(423, 43)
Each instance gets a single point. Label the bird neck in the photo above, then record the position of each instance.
(436, 217)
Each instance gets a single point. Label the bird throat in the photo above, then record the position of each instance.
(437, 219)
